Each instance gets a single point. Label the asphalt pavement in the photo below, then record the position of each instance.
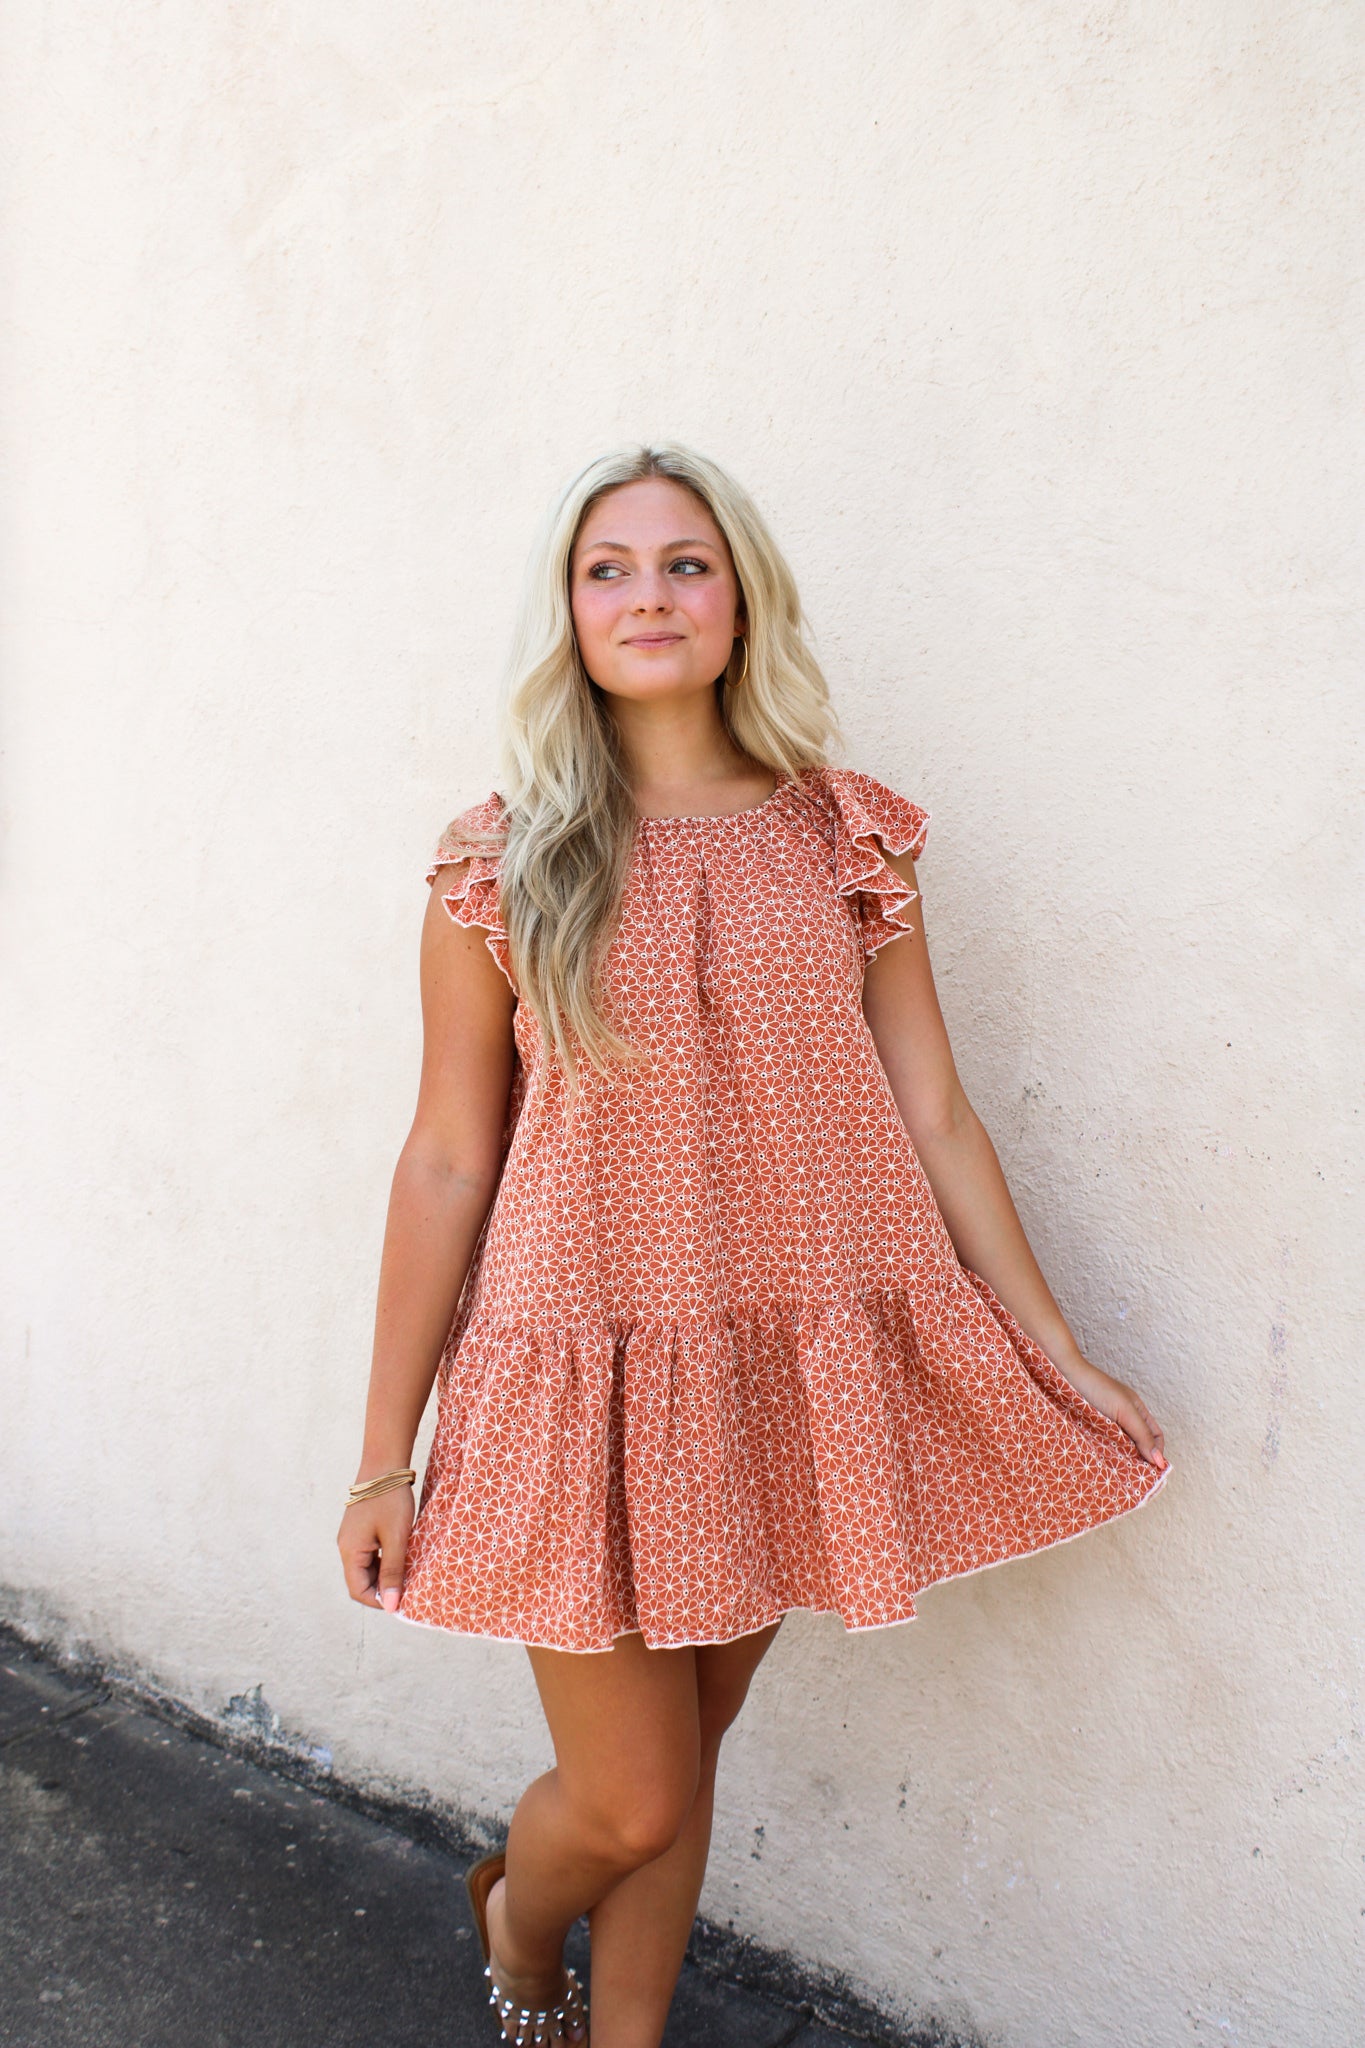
(160, 1891)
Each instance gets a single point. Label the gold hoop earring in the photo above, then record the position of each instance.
(745, 670)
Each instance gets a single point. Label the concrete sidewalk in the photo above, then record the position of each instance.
(160, 1892)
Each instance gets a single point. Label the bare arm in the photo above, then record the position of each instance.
(901, 1006)
(445, 1179)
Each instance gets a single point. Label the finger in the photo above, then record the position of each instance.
(390, 1587)
(1136, 1424)
(1151, 1443)
(361, 1569)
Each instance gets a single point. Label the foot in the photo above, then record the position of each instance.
(530, 1990)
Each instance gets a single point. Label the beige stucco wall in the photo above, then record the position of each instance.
(1029, 324)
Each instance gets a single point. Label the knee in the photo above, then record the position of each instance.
(634, 1824)
(648, 1829)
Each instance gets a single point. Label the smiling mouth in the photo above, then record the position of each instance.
(654, 640)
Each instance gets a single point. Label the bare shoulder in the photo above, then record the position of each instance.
(902, 1010)
(468, 1047)
(457, 966)
(907, 955)
(903, 865)
(899, 997)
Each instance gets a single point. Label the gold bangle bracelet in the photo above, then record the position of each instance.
(369, 1489)
(375, 1485)
(355, 1500)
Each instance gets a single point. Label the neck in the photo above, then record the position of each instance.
(675, 749)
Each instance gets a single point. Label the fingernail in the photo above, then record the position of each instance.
(389, 1596)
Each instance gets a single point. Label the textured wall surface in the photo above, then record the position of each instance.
(1029, 325)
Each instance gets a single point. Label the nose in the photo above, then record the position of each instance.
(652, 591)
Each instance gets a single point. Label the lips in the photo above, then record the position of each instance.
(654, 640)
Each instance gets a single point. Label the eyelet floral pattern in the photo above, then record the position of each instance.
(715, 1357)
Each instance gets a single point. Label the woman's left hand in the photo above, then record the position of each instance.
(1121, 1405)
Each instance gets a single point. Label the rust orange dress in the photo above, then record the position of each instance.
(715, 1357)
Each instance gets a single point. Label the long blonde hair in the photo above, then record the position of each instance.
(569, 816)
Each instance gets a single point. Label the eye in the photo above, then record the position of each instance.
(690, 564)
(601, 572)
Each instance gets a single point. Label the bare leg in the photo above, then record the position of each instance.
(626, 1811)
(625, 1732)
(640, 1929)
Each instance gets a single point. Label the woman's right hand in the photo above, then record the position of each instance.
(373, 1541)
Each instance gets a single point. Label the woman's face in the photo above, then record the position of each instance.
(656, 603)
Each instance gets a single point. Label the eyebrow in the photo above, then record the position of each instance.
(622, 548)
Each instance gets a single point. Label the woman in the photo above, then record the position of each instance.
(732, 1310)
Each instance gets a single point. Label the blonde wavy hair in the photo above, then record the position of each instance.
(569, 822)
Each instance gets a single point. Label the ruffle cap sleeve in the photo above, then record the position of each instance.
(865, 811)
(473, 897)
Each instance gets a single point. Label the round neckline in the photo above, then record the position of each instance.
(713, 817)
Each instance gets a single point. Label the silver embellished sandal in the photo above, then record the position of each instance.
(541, 2029)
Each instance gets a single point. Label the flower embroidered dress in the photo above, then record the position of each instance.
(715, 1356)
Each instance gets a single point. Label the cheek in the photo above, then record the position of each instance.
(594, 607)
(713, 607)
